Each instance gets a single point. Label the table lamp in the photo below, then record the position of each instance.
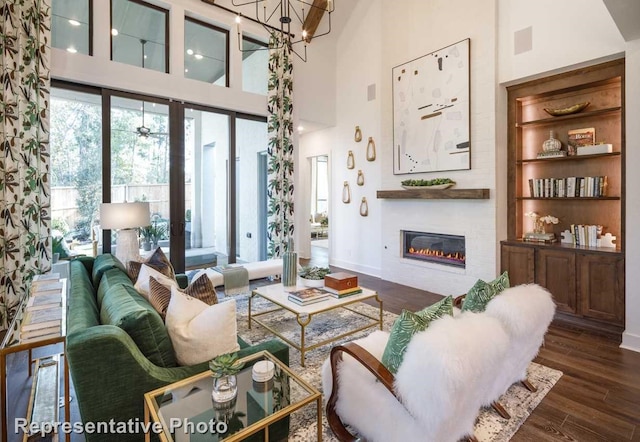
(125, 218)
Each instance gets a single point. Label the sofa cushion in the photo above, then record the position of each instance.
(200, 332)
(145, 274)
(103, 263)
(83, 309)
(110, 278)
(123, 307)
(160, 293)
(482, 292)
(407, 325)
(157, 260)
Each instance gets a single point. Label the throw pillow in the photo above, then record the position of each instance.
(200, 332)
(160, 294)
(145, 274)
(482, 292)
(407, 325)
(158, 261)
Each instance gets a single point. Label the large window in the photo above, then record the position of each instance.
(139, 34)
(255, 66)
(76, 166)
(206, 52)
(71, 25)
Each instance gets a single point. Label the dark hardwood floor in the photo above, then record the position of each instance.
(596, 399)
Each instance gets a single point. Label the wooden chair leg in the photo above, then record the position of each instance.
(497, 406)
(529, 386)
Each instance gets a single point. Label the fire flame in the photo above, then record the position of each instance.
(437, 253)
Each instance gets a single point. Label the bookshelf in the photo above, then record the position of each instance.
(586, 281)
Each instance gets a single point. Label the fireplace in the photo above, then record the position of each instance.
(434, 247)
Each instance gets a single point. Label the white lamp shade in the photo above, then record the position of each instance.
(114, 216)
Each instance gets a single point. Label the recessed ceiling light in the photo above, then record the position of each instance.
(190, 51)
(74, 22)
(300, 128)
(114, 32)
(198, 57)
(145, 57)
(72, 50)
(186, 70)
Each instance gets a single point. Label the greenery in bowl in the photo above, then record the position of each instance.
(314, 273)
(427, 183)
(225, 365)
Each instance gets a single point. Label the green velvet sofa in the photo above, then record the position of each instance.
(118, 347)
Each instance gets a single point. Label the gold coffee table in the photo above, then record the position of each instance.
(187, 405)
(304, 313)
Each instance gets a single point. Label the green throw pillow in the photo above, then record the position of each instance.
(482, 292)
(407, 325)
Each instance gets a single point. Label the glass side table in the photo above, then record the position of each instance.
(186, 412)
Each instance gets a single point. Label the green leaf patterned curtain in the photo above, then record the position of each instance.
(25, 37)
(280, 149)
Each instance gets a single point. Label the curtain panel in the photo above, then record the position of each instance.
(280, 148)
(25, 244)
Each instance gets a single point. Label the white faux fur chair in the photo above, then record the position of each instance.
(525, 312)
(437, 392)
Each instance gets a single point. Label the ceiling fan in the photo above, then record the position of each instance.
(144, 131)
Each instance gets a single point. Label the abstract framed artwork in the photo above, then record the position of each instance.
(431, 112)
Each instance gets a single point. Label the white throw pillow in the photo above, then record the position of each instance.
(200, 332)
(142, 283)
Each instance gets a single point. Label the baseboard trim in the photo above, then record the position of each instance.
(367, 270)
(630, 342)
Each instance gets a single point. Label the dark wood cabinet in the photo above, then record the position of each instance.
(601, 287)
(587, 281)
(520, 263)
(556, 270)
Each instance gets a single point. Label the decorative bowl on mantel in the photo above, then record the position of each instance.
(436, 183)
(567, 110)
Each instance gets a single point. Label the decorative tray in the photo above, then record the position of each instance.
(436, 186)
(567, 110)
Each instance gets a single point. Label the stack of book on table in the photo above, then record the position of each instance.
(43, 312)
(342, 284)
(308, 296)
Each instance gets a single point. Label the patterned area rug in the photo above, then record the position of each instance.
(518, 401)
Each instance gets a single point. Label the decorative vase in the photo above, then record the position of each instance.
(346, 193)
(371, 150)
(289, 266)
(358, 135)
(225, 388)
(360, 180)
(351, 161)
(552, 144)
(538, 226)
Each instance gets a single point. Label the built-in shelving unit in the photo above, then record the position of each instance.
(434, 194)
(587, 282)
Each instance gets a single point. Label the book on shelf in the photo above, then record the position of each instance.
(344, 293)
(552, 154)
(308, 296)
(569, 187)
(594, 149)
(580, 137)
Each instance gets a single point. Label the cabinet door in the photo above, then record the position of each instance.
(601, 287)
(556, 271)
(519, 262)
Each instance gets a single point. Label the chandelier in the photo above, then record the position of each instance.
(285, 17)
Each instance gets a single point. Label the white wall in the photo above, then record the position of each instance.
(631, 336)
(565, 33)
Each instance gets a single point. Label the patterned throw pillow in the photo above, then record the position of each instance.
(482, 292)
(407, 325)
(158, 261)
(160, 294)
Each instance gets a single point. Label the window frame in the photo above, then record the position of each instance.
(90, 25)
(166, 31)
(227, 35)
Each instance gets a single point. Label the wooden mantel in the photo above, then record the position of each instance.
(435, 194)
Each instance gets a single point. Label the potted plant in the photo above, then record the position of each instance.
(147, 235)
(314, 276)
(224, 369)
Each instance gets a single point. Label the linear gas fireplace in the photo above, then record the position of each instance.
(434, 247)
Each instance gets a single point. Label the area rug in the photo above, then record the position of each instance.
(518, 401)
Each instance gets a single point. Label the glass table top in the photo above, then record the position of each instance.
(188, 413)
